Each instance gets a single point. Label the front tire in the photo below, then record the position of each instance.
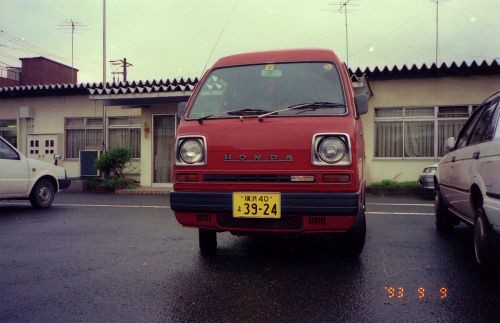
(207, 241)
(355, 238)
(42, 195)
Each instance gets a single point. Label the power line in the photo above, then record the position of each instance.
(20, 41)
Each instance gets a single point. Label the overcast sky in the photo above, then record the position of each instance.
(180, 38)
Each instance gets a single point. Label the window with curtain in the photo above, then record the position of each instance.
(83, 134)
(125, 132)
(414, 132)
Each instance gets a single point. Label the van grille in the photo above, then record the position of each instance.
(247, 178)
(317, 220)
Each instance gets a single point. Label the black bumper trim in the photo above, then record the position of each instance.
(64, 183)
(291, 203)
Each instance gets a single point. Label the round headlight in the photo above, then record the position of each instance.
(191, 151)
(331, 150)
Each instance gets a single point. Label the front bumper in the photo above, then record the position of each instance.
(300, 212)
(334, 204)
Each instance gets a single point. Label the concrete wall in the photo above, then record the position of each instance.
(49, 113)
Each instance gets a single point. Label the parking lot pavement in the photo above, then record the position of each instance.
(124, 258)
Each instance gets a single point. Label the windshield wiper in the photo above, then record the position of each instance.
(312, 106)
(237, 112)
(247, 112)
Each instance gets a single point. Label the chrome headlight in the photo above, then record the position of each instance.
(331, 149)
(191, 151)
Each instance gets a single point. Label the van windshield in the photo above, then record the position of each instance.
(285, 89)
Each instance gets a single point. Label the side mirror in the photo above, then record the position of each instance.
(56, 158)
(361, 102)
(449, 144)
(181, 107)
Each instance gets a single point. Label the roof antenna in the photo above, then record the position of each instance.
(220, 36)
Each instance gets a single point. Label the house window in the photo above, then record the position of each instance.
(416, 132)
(83, 134)
(8, 130)
(125, 132)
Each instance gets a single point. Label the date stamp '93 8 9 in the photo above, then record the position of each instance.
(420, 293)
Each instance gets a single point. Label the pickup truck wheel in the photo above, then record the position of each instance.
(444, 220)
(42, 194)
(355, 238)
(484, 241)
(207, 241)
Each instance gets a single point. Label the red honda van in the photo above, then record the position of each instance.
(272, 142)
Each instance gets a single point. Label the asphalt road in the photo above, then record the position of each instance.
(109, 258)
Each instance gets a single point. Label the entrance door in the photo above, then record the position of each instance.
(163, 143)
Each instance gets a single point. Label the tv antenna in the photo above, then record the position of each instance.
(73, 25)
(345, 7)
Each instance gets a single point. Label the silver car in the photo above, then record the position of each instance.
(426, 178)
(468, 181)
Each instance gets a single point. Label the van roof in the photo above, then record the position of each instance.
(279, 56)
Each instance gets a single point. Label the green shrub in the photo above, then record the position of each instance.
(389, 183)
(113, 162)
(111, 183)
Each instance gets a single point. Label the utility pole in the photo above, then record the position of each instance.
(436, 59)
(123, 64)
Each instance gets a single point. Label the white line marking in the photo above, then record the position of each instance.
(118, 206)
(398, 213)
(94, 205)
(402, 204)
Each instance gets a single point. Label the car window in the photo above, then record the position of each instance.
(485, 127)
(6, 152)
(466, 132)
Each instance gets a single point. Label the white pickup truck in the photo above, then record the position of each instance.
(25, 178)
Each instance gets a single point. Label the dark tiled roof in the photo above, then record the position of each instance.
(424, 71)
(183, 85)
(175, 85)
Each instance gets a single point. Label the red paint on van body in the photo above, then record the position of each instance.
(255, 152)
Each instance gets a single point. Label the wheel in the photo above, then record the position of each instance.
(207, 241)
(42, 194)
(355, 238)
(444, 220)
(484, 241)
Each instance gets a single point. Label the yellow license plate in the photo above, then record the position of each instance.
(257, 205)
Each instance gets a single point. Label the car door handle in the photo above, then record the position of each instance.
(453, 159)
(475, 155)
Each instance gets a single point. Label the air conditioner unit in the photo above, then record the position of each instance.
(25, 113)
(88, 159)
